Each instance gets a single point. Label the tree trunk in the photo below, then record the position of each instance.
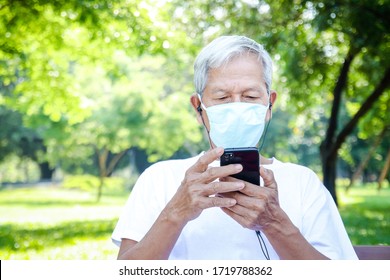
(106, 166)
(330, 146)
(46, 171)
(384, 170)
(100, 188)
(102, 159)
(329, 168)
(367, 158)
(329, 159)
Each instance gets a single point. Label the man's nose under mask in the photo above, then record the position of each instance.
(236, 124)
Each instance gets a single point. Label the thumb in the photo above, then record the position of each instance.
(268, 178)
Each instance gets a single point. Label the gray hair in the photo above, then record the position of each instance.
(221, 51)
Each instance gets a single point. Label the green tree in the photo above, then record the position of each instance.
(45, 42)
(140, 106)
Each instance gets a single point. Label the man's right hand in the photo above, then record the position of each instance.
(199, 186)
(196, 193)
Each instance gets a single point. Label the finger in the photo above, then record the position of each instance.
(203, 162)
(249, 190)
(213, 173)
(230, 179)
(223, 187)
(244, 222)
(220, 202)
(237, 210)
(248, 202)
(268, 178)
(245, 217)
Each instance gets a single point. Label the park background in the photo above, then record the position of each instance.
(93, 92)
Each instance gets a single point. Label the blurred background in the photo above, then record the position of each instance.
(92, 92)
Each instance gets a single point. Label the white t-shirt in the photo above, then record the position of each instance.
(214, 235)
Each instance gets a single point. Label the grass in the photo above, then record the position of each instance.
(365, 213)
(66, 223)
(56, 223)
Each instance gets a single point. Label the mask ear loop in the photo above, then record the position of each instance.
(266, 129)
(199, 109)
(258, 233)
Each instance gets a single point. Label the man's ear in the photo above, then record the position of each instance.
(195, 103)
(272, 98)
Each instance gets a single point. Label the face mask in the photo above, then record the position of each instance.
(236, 124)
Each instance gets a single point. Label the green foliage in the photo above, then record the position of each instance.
(12, 131)
(41, 66)
(15, 169)
(140, 106)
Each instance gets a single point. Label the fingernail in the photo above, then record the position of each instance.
(238, 167)
(232, 202)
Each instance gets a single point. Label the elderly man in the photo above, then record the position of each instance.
(194, 209)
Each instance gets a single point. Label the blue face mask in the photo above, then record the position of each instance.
(236, 124)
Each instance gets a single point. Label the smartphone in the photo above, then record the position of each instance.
(248, 158)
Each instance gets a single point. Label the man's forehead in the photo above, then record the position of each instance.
(221, 86)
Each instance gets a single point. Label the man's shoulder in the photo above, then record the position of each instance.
(295, 176)
(289, 167)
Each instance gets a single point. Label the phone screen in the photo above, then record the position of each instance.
(248, 158)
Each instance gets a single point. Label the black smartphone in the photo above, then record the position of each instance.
(248, 158)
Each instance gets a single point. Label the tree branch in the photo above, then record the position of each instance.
(366, 106)
(102, 159)
(337, 93)
(384, 170)
(363, 163)
(115, 161)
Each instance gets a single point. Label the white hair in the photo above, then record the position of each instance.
(221, 51)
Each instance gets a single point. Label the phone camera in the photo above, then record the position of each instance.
(228, 156)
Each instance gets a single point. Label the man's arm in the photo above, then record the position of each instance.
(195, 194)
(157, 243)
(289, 243)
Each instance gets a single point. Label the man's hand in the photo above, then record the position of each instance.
(199, 186)
(256, 207)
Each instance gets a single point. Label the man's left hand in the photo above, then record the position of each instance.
(257, 207)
